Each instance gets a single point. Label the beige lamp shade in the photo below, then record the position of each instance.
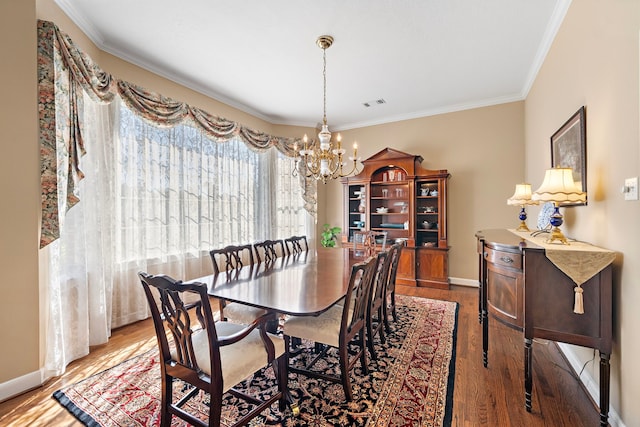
(522, 196)
(559, 187)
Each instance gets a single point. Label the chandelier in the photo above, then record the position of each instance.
(320, 159)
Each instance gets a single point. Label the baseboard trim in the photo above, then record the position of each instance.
(16, 386)
(464, 282)
(590, 384)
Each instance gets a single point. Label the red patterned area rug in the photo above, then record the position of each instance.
(411, 383)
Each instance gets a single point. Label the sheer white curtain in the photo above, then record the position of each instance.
(155, 200)
(79, 277)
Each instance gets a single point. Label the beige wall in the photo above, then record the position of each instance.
(594, 62)
(483, 151)
(19, 186)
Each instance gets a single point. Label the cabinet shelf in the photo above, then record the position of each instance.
(389, 213)
(389, 182)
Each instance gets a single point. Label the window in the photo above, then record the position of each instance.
(182, 193)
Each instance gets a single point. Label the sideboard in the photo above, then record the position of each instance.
(523, 288)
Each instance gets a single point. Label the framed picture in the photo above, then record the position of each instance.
(569, 148)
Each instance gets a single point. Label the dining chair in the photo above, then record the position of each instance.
(375, 309)
(294, 245)
(390, 293)
(269, 250)
(339, 327)
(210, 356)
(367, 242)
(230, 260)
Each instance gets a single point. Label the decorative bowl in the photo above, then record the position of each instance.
(382, 210)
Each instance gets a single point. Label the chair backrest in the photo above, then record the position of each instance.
(381, 277)
(269, 250)
(175, 324)
(231, 258)
(380, 237)
(356, 302)
(365, 242)
(294, 244)
(394, 257)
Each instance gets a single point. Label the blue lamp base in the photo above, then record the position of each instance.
(523, 220)
(556, 221)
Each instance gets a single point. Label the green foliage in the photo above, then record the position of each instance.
(329, 236)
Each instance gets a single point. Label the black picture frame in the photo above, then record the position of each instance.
(569, 149)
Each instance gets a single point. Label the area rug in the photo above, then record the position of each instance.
(410, 384)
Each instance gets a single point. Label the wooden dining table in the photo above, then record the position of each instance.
(304, 284)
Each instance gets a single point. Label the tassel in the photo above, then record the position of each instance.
(578, 306)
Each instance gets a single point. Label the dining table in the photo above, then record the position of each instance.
(304, 284)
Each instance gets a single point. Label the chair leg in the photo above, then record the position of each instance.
(215, 410)
(280, 369)
(167, 397)
(379, 330)
(370, 338)
(385, 316)
(344, 372)
(363, 354)
(393, 306)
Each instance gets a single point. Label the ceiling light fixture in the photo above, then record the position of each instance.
(321, 160)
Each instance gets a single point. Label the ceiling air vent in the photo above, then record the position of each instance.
(374, 103)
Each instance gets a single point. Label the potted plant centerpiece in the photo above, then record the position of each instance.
(329, 236)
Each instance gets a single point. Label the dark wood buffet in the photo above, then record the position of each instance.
(522, 288)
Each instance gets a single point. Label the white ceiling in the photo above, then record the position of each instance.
(423, 57)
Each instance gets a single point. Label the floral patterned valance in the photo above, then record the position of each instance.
(58, 60)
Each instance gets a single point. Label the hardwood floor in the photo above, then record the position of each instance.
(492, 396)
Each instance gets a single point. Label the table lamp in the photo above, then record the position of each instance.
(522, 197)
(560, 188)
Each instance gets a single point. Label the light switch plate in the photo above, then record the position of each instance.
(631, 188)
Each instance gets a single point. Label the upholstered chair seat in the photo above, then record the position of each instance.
(324, 329)
(238, 359)
(242, 313)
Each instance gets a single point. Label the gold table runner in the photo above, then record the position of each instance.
(578, 260)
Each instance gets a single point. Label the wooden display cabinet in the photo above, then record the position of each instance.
(395, 194)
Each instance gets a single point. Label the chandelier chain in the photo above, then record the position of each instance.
(324, 79)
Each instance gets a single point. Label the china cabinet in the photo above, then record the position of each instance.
(396, 195)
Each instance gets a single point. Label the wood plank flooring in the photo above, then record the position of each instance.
(492, 396)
